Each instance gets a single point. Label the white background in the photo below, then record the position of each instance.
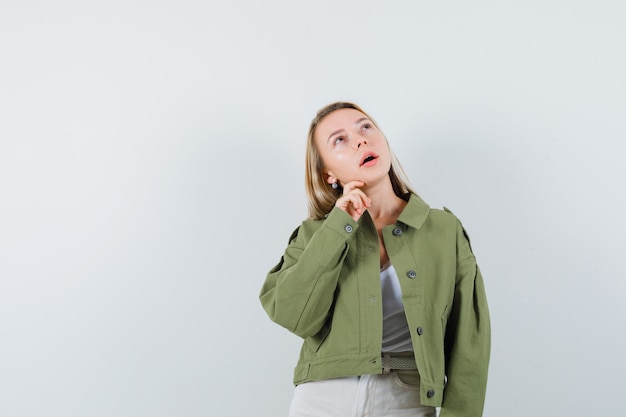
(152, 169)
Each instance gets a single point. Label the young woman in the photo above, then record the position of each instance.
(384, 290)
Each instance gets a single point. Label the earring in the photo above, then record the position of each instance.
(334, 185)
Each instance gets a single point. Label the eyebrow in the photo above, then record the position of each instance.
(340, 130)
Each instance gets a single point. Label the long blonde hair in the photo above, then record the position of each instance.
(321, 196)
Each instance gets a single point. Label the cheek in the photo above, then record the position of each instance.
(333, 162)
(337, 153)
(337, 163)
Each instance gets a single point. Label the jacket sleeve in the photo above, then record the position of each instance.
(468, 338)
(299, 291)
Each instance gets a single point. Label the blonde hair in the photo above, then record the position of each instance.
(321, 195)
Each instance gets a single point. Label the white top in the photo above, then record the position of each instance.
(396, 334)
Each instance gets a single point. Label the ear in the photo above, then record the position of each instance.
(330, 178)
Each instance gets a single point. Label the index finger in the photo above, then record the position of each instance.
(352, 185)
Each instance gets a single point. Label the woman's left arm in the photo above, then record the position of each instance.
(468, 338)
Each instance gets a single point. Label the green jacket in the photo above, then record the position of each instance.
(326, 289)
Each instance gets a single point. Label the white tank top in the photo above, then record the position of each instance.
(396, 334)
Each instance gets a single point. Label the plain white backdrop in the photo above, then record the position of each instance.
(152, 169)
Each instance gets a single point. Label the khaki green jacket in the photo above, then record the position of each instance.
(326, 289)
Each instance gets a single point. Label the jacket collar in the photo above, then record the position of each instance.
(415, 212)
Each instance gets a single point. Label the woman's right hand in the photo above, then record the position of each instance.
(353, 201)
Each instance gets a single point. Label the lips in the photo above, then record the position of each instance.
(368, 158)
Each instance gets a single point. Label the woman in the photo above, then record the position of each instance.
(384, 290)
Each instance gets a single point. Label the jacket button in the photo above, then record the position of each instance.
(411, 274)
(420, 331)
(348, 228)
(430, 393)
(397, 231)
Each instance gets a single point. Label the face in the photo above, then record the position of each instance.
(352, 148)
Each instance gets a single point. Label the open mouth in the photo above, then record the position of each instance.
(368, 158)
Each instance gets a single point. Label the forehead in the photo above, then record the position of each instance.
(339, 119)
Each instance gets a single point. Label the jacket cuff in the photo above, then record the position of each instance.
(341, 222)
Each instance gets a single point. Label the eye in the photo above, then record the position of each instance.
(366, 126)
(338, 140)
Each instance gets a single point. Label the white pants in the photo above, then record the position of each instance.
(395, 394)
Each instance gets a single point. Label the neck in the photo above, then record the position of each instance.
(386, 205)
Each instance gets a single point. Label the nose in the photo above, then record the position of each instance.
(358, 141)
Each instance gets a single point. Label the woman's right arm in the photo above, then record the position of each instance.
(299, 291)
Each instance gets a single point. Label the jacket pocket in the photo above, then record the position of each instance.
(315, 342)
